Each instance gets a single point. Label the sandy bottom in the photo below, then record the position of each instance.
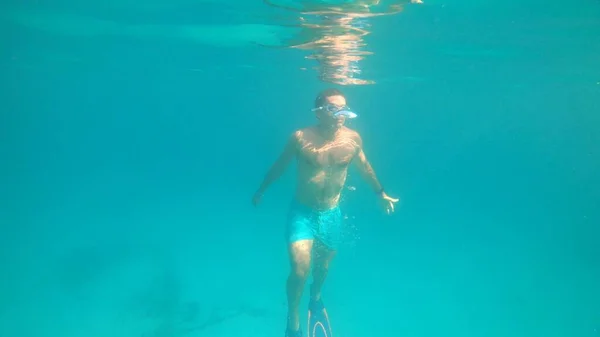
(230, 282)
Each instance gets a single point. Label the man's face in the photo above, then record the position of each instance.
(326, 116)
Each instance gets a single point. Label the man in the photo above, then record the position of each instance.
(323, 154)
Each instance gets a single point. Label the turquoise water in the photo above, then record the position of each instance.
(134, 135)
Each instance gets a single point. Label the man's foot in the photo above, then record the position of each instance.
(293, 326)
(316, 306)
(314, 295)
(290, 333)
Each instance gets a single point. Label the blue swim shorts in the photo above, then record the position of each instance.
(305, 223)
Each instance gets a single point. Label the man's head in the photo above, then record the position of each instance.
(328, 105)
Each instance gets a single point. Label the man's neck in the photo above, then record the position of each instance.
(328, 132)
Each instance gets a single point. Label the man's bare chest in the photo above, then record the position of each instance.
(334, 154)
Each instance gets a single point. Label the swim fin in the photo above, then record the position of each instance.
(318, 320)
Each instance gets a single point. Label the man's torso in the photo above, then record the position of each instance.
(323, 166)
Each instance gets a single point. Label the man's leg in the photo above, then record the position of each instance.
(321, 261)
(326, 244)
(300, 254)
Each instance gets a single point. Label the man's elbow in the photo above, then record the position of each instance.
(367, 169)
(282, 164)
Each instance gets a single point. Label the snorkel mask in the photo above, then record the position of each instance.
(337, 111)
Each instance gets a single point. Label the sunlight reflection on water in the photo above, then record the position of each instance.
(334, 35)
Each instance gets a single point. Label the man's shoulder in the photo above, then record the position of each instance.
(299, 136)
(350, 133)
(302, 132)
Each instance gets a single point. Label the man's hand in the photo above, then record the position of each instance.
(257, 198)
(387, 202)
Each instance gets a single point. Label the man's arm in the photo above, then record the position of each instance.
(280, 164)
(365, 168)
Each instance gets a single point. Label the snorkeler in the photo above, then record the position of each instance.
(323, 153)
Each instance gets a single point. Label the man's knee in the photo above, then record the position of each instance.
(323, 257)
(300, 270)
(300, 256)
